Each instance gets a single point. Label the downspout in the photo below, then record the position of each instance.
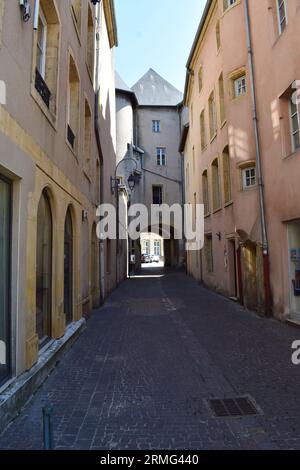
(96, 125)
(266, 260)
(182, 157)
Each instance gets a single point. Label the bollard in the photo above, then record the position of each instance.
(48, 427)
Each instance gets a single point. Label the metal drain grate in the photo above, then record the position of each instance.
(241, 406)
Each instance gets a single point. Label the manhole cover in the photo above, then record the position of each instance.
(240, 406)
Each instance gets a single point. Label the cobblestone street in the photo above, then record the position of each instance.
(140, 376)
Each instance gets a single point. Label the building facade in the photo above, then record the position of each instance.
(241, 145)
(51, 162)
(148, 135)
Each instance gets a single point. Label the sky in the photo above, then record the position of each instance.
(156, 34)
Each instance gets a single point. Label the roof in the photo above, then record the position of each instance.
(122, 87)
(153, 90)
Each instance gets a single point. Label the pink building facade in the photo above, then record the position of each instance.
(241, 147)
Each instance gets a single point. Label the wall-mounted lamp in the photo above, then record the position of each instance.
(26, 10)
(131, 182)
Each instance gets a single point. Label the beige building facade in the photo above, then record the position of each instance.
(241, 145)
(51, 160)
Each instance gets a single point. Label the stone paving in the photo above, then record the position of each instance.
(140, 376)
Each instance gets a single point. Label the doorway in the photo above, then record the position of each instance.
(233, 290)
(44, 270)
(294, 268)
(68, 269)
(5, 262)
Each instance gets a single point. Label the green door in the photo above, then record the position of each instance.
(5, 236)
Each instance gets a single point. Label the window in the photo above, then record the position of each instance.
(194, 160)
(87, 138)
(226, 175)
(76, 13)
(157, 195)
(282, 15)
(213, 126)
(222, 99)
(90, 42)
(295, 128)
(228, 3)
(203, 131)
(218, 35)
(192, 115)
(249, 177)
(157, 248)
(156, 126)
(161, 156)
(240, 86)
(45, 57)
(44, 269)
(216, 185)
(200, 79)
(146, 247)
(205, 193)
(41, 44)
(73, 106)
(208, 248)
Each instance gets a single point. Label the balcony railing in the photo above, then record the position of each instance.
(42, 88)
(71, 137)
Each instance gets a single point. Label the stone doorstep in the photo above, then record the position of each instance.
(19, 392)
(293, 322)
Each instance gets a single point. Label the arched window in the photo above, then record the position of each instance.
(205, 193)
(218, 35)
(44, 270)
(87, 138)
(90, 42)
(46, 58)
(216, 185)
(73, 106)
(68, 268)
(226, 175)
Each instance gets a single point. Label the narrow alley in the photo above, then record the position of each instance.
(142, 374)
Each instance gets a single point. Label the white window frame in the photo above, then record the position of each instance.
(42, 48)
(157, 248)
(284, 19)
(248, 179)
(161, 158)
(156, 126)
(297, 131)
(240, 86)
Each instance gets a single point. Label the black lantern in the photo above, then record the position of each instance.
(131, 182)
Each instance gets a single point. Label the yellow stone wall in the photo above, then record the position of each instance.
(62, 195)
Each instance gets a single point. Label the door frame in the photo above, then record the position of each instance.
(9, 283)
(293, 314)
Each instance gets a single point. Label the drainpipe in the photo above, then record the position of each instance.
(96, 125)
(266, 260)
